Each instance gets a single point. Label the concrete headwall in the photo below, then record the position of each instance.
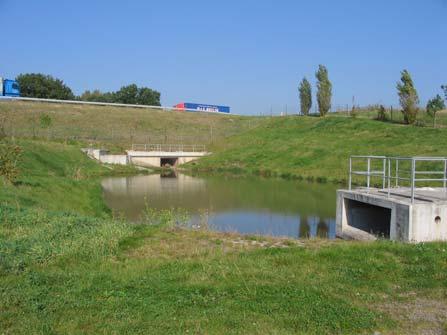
(145, 161)
(419, 222)
(113, 159)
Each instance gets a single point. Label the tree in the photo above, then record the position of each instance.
(444, 88)
(127, 94)
(305, 96)
(97, 96)
(324, 90)
(408, 97)
(435, 105)
(132, 94)
(147, 96)
(37, 85)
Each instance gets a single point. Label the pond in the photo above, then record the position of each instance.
(244, 205)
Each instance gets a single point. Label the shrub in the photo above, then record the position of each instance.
(381, 113)
(9, 158)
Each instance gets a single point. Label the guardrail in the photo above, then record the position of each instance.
(391, 170)
(169, 147)
(79, 102)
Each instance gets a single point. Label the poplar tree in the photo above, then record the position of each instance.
(408, 97)
(324, 90)
(305, 96)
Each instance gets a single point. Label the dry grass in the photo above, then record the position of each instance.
(169, 244)
(119, 126)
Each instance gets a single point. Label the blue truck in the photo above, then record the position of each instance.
(9, 88)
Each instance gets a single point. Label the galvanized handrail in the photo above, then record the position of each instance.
(169, 147)
(388, 176)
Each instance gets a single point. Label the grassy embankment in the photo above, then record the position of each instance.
(318, 148)
(117, 128)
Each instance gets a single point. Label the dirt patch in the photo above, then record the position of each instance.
(417, 315)
(183, 244)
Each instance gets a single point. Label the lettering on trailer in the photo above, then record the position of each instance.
(207, 108)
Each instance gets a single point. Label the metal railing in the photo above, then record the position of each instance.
(392, 171)
(169, 147)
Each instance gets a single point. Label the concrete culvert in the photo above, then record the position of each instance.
(168, 162)
(369, 218)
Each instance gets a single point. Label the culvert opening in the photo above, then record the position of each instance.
(375, 220)
(167, 162)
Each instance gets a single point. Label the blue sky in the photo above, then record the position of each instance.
(250, 55)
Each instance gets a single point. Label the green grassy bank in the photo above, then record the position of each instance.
(58, 176)
(318, 148)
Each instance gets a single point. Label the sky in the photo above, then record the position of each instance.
(250, 55)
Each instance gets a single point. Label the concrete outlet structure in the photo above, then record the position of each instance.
(162, 158)
(151, 155)
(367, 213)
(399, 210)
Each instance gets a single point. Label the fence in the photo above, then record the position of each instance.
(169, 147)
(392, 171)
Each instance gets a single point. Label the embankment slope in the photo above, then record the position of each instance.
(318, 147)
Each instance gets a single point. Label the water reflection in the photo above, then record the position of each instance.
(248, 206)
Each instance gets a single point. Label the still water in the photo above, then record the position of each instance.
(248, 205)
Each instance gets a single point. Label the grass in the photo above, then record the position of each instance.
(58, 176)
(423, 119)
(117, 128)
(65, 273)
(318, 148)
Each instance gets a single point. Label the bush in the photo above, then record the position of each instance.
(9, 158)
(381, 113)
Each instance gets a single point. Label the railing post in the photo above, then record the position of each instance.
(445, 174)
(368, 178)
(413, 167)
(389, 177)
(384, 172)
(350, 172)
(397, 172)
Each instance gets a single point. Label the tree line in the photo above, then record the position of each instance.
(406, 90)
(38, 85)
